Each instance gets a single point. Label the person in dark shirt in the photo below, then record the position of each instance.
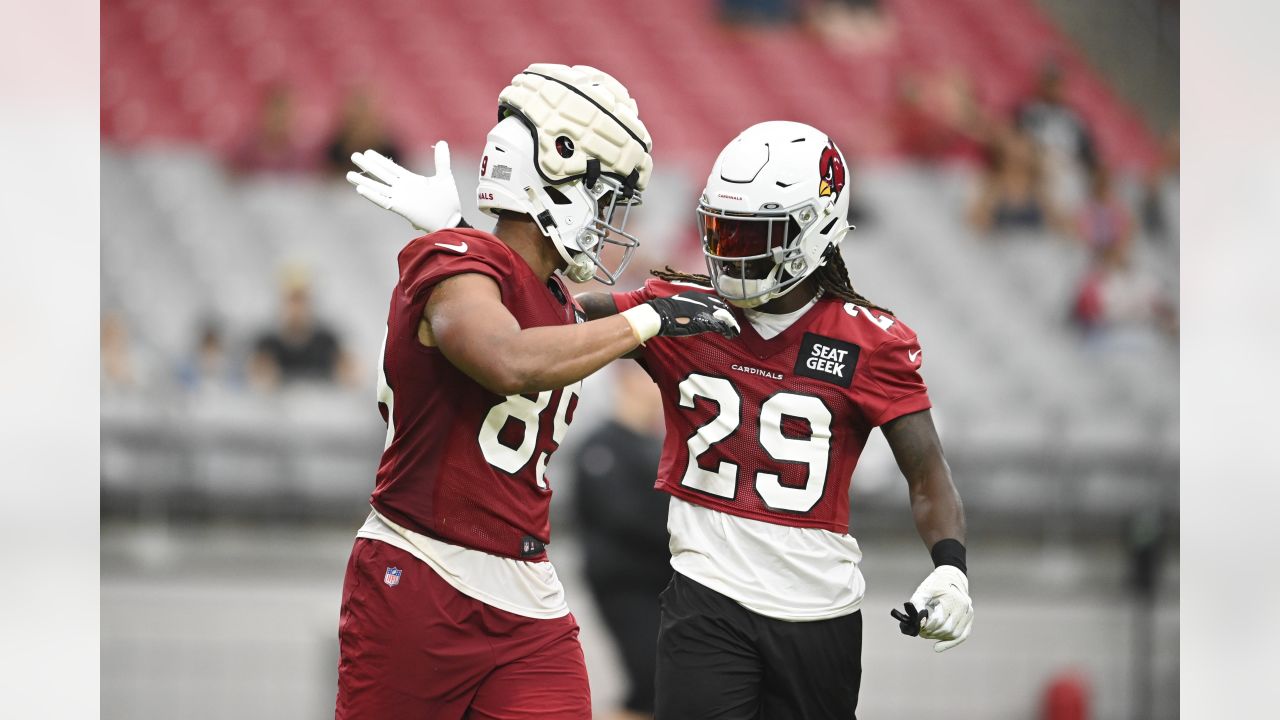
(301, 348)
(1063, 136)
(1056, 126)
(624, 525)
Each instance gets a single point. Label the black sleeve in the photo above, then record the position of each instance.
(268, 344)
(328, 339)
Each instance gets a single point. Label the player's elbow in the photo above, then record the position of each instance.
(511, 368)
(503, 381)
(512, 377)
(495, 365)
(525, 374)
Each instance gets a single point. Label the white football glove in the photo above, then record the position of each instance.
(945, 593)
(429, 203)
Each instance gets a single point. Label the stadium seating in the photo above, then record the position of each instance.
(697, 82)
(1016, 389)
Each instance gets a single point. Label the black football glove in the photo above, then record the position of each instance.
(693, 312)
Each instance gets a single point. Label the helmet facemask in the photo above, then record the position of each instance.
(586, 219)
(755, 258)
(585, 216)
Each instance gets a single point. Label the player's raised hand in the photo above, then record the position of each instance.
(945, 594)
(428, 203)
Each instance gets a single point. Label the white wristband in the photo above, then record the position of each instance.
(645, 321)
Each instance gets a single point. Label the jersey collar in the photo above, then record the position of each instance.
(785, 340)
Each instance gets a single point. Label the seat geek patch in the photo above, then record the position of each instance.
(823, 358)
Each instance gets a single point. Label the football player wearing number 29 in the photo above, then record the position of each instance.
(762, 616)
(450, 608)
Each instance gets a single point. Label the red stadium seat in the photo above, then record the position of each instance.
(438, 68)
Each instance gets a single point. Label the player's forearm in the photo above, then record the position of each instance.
(935, 503)
(546, 358)
(936, 508)
(597, 304)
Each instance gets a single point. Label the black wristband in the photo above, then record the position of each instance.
(949, 551)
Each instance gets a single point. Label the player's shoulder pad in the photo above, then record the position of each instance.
(867, 328)
(457, 241)
(435, 256)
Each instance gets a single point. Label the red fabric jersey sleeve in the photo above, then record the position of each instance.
(892, 386)
(628, 300)
(441, 255)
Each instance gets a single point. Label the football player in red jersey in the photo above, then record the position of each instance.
(450, 608)
(762, 617)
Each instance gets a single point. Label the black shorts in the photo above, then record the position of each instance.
(716, 659)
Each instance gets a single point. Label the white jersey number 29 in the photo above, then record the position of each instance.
(813, 451)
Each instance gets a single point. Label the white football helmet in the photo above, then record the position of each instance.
(775, 201)
(569, 151)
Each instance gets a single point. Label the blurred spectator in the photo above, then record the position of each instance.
(1160, 195)
(853, 25)
(361, 128)
(624, 524)
(757, 12)
(1061, 133)
(1116, 300)
(273, 146)
(209, 365)
(1013, 194)
(938, 117)
(1103, 221)
(123, 365)
(301, 348)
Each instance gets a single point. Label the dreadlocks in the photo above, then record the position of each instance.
(833, 279)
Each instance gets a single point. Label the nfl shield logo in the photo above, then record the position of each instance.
(392, 578)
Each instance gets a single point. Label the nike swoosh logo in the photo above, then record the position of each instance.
(912, 355)
(688, 300)
(460, 247)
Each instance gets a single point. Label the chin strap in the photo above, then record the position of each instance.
(579, 269)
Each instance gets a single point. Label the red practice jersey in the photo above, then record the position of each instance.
(772, 429)
(462, 464)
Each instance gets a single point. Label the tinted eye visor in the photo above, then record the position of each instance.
(745, 237)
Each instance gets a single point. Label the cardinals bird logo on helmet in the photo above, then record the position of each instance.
(831, 168)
